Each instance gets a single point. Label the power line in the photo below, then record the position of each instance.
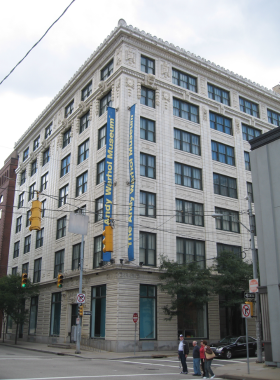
(37, 42)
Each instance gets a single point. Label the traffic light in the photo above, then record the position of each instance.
(108, 239)
(59, 281)
(23, 280)
(81, 310)
(35, 217)
(251, 305)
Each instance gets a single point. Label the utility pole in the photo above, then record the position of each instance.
(255, 275)
(79, 332)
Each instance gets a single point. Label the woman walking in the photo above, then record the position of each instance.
(202, 356)
(209, 355)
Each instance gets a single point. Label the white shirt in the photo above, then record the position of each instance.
(181, 346)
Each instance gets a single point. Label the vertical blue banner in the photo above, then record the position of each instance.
(132, 185)
(109, 172)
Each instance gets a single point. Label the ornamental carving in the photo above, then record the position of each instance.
(139, 90)
(118, 87)
(118, 57)
(222, 109)
(44, 144)
(204, 110)
(263, 113)
(165, 70)
(102, 86)
(187, 95)
(237, 126)
(151, 79)
(130, 86)
(166, 99)
(157, 97)
(130, 57)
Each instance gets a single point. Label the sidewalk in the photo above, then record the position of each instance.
(238, 371)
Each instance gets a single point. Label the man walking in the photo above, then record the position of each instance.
(196, 359)
(183, 351)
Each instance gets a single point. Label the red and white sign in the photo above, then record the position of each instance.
(253, 286)
(246, 310)
(135, 317)
(81, 298)
(77, 321)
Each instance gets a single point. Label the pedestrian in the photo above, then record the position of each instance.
(196, 359)
(202, 356)
(183, 351)
(209, 355)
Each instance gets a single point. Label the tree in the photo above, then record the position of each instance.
(13, 298)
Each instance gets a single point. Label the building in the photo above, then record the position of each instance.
(7, 193)
(266, 174)
(193, 120)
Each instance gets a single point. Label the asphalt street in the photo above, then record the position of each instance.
(22, 365)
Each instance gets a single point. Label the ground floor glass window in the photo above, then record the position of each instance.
(147, 318)
(98, 311)
(192, 322)
(33, 315)
(55, 314)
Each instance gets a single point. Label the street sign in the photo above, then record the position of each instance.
(249, 295)
(77, 321)
(246, 310)
(253, 285)
(135, 317)
(87, 312)
(81, 298)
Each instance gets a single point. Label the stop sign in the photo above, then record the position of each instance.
(135, 317)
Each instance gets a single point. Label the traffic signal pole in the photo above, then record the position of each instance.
(79, 332)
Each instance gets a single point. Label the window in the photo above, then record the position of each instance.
(36, 143)
(273, 117)
(44, 181)
(81, 210)
(228, 248)
(249, 107)
(20, 200)
(33, 167)
(43, 208)
(184, 80)
(147, 204)
(250, 191)
(33, 315)
(14, 271)
(186, 141)
(188, 176)
(25, 268)
(249, 133)
(104, 103)
(98, 250)
(147, 65)
(18, 224)
(222, 153)
(22, 177)
(31, 191)
(48, 131)
(61, 227)
(28, 215)
(27, 244)
(220, 123)
(25, 154)
(102, 137)
(1, 198)
(16, 250)
(229, 221)
(81, 184)
(224, 185)
(98, 311)
(55, 314)
(63, 194)
(46, 156)
(69, 109)
(147, 249)
(147, 97)
(65, 165)
(147, 308)
(247, 161)
(147, 165)
(40, 238)
(107, 70)
(189, 212)
(185, 110)
(83, 151)
(218, 94)
(147, 129)
(37, 270)
(58, 263)
(76, 254)
(84, 122)
(66, 138)
(99, 209)
(86, 91)
(100, 172)
(190, 250)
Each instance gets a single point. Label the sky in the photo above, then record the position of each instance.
(239, 35)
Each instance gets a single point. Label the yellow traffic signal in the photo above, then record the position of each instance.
(251, 305)
(108, 239)
(81, 310)
(23, 280)
(35, 217)
(59, 281)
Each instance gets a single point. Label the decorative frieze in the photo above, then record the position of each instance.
(165, 70)
(166, 99)
(130, 86)
(130, 56)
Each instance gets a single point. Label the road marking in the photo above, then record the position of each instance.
(161, 365)
(96, 376)
(26, 358)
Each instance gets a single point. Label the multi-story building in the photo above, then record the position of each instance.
(193, 120)
(7, 193)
